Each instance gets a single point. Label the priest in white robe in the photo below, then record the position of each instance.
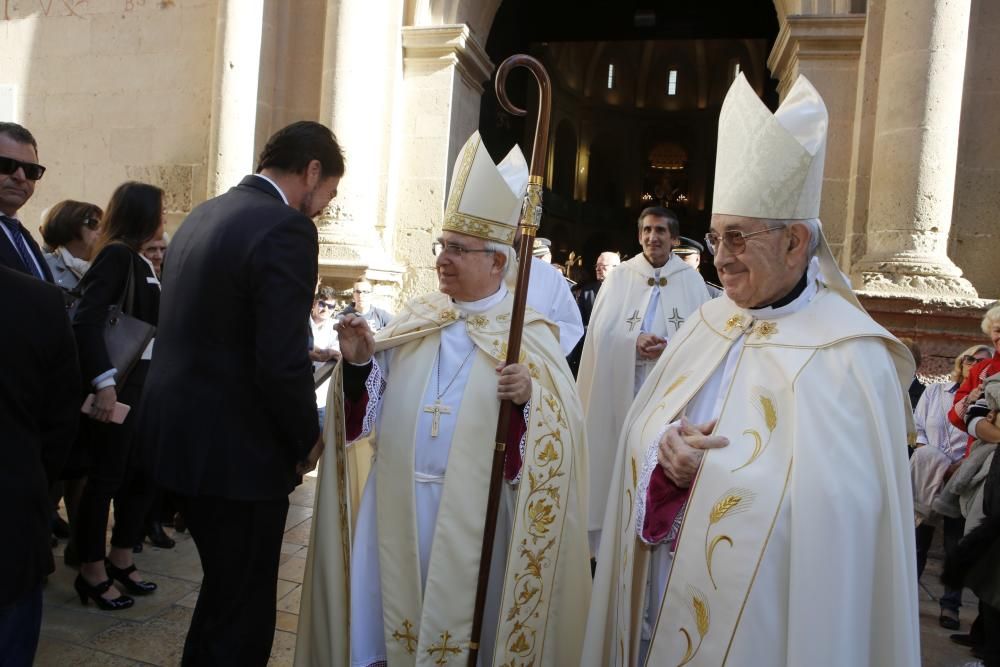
(761, 511)
(641, 306)
(399, 588)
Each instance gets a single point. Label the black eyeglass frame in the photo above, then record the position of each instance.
(32, 171)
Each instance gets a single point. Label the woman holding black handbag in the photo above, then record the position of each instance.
(120, 295)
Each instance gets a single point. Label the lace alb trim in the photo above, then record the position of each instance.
(524, 441)
(375, 385)
(645, 477)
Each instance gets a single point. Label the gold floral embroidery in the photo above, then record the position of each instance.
(734, 322)
(732, 502)
(479, 227)
(442, 649)
(767, 407)
(479, 321)
(702, 619)
(406, 637)
(448, 315)
(765, 329)
(543, 513)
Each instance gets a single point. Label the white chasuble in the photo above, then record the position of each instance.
(796, 546)
(608, 366)
(410, 579)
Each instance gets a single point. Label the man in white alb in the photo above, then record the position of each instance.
(433, 391)
(760, 511)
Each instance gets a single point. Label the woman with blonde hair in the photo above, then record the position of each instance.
(940, 450)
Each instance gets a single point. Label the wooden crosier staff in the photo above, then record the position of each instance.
(531, 217)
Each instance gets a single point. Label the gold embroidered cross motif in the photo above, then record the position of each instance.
(734, 322)
(765, 329)
(662, 282)
(406, 637)
(634, 320)
(443, 649)
(479, 321)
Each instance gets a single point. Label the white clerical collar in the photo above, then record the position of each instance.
(276, 187)
(481, 306)
(656, 269)
(798, 303)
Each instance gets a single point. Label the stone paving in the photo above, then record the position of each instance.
(152, 632)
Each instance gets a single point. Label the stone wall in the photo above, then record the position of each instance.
(112, 90)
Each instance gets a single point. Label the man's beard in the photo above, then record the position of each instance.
(306, 207)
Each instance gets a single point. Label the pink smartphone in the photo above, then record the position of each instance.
(118, 415)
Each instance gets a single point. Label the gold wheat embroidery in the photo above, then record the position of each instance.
(767, 408)
(702, 618)
(732, 502)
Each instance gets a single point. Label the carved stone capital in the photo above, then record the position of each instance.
(819, 37)
(431, 47)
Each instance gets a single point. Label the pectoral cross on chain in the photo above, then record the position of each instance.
(437, 410)
(676, 320)
(634, 320)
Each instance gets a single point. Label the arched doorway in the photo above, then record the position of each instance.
(642, 88)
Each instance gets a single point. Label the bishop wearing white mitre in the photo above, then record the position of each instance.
(400, 587)
(640, 307)
(761, 508)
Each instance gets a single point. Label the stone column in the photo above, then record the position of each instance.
(234, 98)
(359, 87)
(444, 69)
(916, 147)
(827, 50)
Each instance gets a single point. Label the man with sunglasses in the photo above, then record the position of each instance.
(19, 169)
(376, 317)
(761, 506)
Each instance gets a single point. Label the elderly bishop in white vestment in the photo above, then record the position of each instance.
(790, 541)
(399, 589)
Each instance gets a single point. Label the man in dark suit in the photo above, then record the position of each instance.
(229, 409)
(19, 169)
(39, 412)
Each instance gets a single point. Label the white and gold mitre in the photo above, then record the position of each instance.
(770, 166)
(485, 198)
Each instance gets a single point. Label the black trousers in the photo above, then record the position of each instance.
(954, 528)
(239, 543)
(114, 471)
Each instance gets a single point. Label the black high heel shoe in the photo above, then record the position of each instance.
(86, 591)
(157, 536)
(121, 576)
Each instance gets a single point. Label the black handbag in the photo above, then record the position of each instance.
(125, 337)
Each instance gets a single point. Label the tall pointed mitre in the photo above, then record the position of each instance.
(485, 200)
(771, 165)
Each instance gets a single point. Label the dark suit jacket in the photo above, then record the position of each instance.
(39, 413)
(229, 405)
(101, 287)
(12, 260)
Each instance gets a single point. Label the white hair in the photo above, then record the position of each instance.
(992, 317)
(812, 224)
(505, 250)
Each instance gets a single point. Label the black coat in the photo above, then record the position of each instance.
(101, 287)
(229, 405)
(10, 258)
(39, 413)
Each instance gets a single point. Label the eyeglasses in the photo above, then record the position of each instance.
(969, 359)
(325, 305)
(362, 291)
(734, 239)
(453, 249)
(91, 223)
(32, 171)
